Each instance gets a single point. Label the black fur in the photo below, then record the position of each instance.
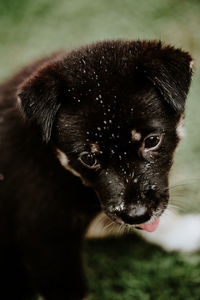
(90, 98)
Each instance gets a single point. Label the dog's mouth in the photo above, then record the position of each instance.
(150, 226)
(148, 221)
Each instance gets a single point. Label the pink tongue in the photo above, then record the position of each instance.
(150, 227)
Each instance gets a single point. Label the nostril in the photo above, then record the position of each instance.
(136, 215)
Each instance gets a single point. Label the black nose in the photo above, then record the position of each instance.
(134, 215)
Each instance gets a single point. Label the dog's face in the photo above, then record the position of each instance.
(113, 112)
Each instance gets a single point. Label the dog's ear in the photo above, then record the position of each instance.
(170, 71)
(40, 97)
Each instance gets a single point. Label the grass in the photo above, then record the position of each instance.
(128, 268)
(125, 268)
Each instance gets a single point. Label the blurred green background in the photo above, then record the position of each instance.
(31, 29)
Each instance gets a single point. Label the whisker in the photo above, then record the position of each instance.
(173, 206)
(107, 227)
(188, 182)
(121, 229)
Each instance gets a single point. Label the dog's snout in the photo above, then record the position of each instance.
(134, 215)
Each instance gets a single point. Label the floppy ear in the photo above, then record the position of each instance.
(40, 97)
(170, 71)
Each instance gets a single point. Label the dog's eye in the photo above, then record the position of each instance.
(152, 142)
(89, 160)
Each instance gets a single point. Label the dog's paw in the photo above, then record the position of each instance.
(176, 232)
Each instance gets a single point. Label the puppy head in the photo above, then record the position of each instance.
(112, 110)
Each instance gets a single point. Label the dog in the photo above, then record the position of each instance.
(83, 132)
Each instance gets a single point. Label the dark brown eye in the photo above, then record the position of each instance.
(89, 160)
(152, 142)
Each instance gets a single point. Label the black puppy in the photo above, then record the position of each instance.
(94, 129)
